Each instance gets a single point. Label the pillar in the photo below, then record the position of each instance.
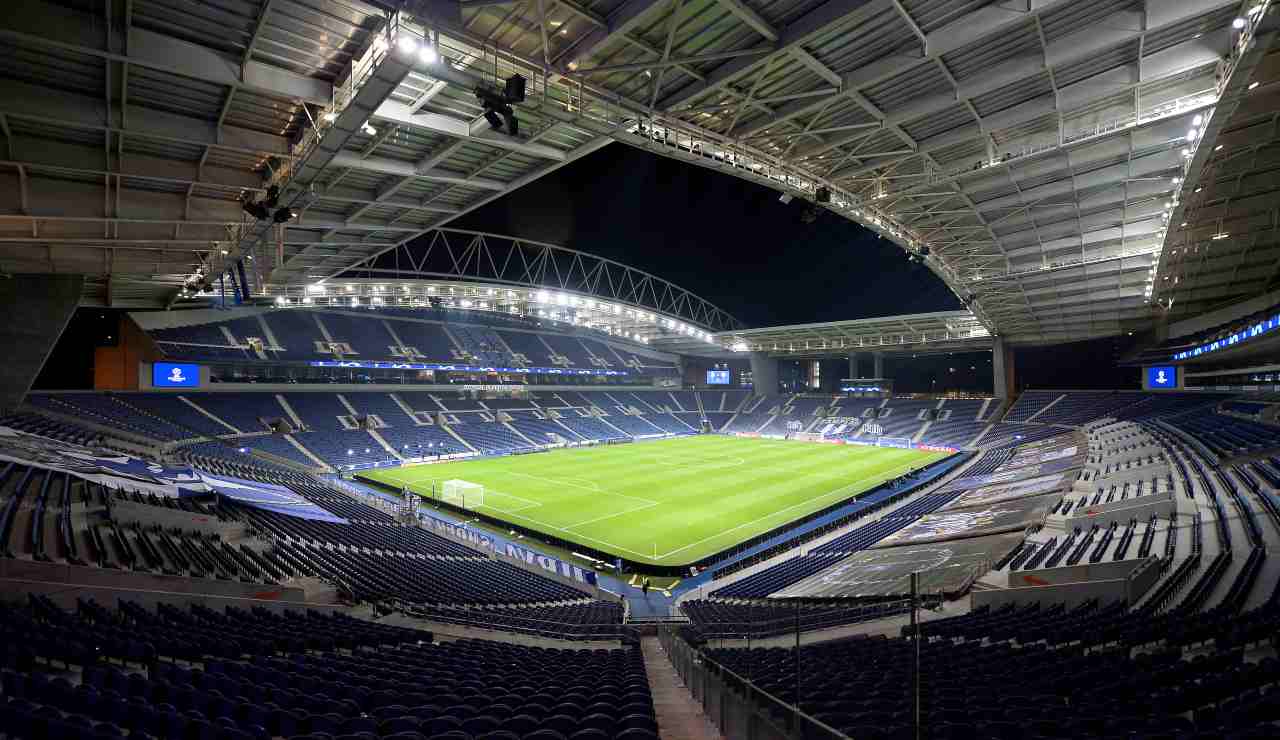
(1002, 369)
(764, 374)
(36, 309)
(877, 359)
(853, 364)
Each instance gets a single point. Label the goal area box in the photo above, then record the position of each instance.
(462, 494)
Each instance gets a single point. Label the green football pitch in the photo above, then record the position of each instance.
(666, 502)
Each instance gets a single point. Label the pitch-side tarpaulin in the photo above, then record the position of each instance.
(107, 467)
(1004, 516)
(268, 496)
(946, 568)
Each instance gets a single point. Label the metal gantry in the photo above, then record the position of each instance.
(1029, 153)
(496, 260)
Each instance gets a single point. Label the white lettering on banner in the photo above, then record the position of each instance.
(510, 550)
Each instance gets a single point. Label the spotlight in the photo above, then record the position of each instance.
(370, 130)
(1237, 24)
(428, 54)
(513, 91)
(407, 44)
(329, 116)
(257, 210)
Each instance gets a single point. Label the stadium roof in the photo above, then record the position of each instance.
(1029, 149)
(943, 331)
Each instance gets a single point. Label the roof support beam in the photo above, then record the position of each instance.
(582, 151)
(620, 21)
(1065, 51)
(819, 20)
(46, 25)
(403, 169)
(750, 17)
(659, 64)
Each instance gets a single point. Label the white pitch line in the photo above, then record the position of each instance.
(610, 516)
(597, 488)
(770, 515)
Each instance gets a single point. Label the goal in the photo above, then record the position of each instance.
(904, 442)
(463, 494)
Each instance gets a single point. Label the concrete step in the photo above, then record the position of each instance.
(680, 717)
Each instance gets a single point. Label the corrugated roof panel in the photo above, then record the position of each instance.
(980, 55)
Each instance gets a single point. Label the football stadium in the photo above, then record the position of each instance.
(640, 369)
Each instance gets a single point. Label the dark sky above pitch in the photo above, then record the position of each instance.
(722, 238)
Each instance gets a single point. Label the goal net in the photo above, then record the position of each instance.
(904, 442)
(463, 494)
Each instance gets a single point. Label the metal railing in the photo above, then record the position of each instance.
(739, 708)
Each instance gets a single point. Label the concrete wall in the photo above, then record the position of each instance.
(1107, 582)
(118, 368)
(36, 309)
(1140, 508)
(1073, 573)
(764, 374)
(1071, 594)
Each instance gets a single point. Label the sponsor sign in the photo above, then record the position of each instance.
(509, 550)
(462, 368)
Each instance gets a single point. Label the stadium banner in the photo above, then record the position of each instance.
(1041, 455)
(1010, 491)
(1005, 516)
(935, 448)
(109, 468)
(268, 496)
(945, 568)
(1009, 474)
(509, 550)
(461, 368)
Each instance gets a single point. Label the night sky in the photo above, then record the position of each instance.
(726, 240)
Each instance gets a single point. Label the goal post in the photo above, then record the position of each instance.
(462, 494)
(903, 442)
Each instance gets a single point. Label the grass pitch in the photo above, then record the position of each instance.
(667, 502)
